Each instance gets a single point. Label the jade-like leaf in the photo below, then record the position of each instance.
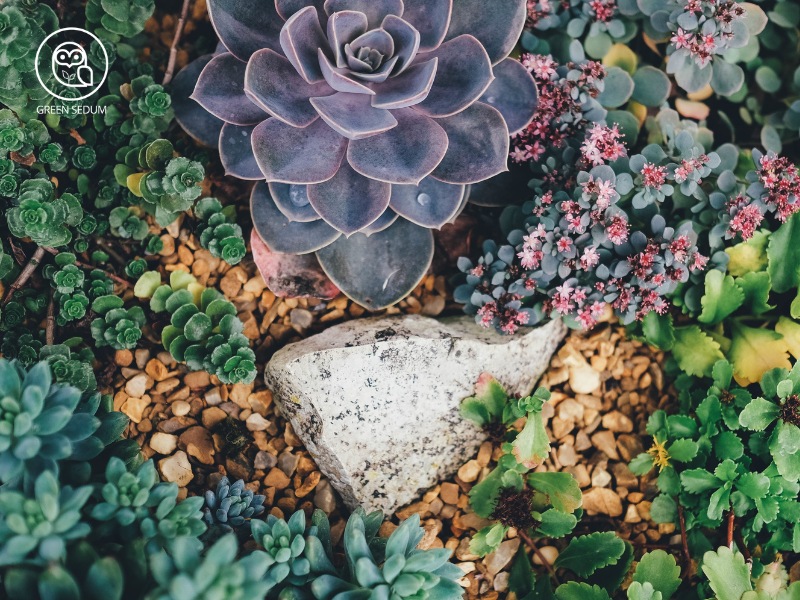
(755, 351)
(695, 351)
(722, 297)
(727, 573)
(660, 570)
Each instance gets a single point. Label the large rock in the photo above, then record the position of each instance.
(376, 400)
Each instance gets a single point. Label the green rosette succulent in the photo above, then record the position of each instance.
(64, 275)
(117, 327)
(39, 215)
(218, 232)
(53, 156)
(68, 367)
(231, 505)
(116, 19)
(72, 307)
(23, 347)
(284, 543)
(172, 519)
(402, 572)
(183, 572)
(129, 496)
(37, 529)
(84, 158)
(126, 222)
(42, 423)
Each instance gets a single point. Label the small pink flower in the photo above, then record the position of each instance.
(654, 176)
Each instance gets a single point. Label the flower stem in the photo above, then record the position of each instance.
(25, 274)
(530, 543)
(173, 49)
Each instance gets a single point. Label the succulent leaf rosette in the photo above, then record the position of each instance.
(368, 119)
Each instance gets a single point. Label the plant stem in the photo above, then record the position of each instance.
(26, 273)
(173, 50)
(742, 546)
(111, 252)
(731, 522)
(50, 331)
(684, 542)
(83, 265)
(529, 542)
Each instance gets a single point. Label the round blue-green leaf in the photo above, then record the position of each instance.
(597, 46)
(651, 86)
(726, 78)
(618, 88)
(627, 123)
(197, 328)
(768, 79)
(771, 139)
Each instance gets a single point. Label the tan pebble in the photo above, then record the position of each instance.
(239, 394)
(197, 379)
(141, 357)
(584, 379)
(630, 446)
(387, 528)
(163, 443)
(484, 454)
(181, 408)
(212, 416)
(134, 407)
(497, 560)
(602, 501)
(255, 422)
(469, 472)
(570, 409)
(198, 444)
(137, 385)
(566, 455)
(605, 442)
(449, 493)
(156, 369)
(277, 479)
(635, 497)
(432, 528)
(632, 515)
(600, 478)
(561, 427)
(308, 485)
(176, 469)
(166, 386)
(550, 554)
(581, 475)
(123, 358)
(617, 422)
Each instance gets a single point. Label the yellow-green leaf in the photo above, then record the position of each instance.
(748, 256)
(695, 351)
(756, 351)
(790, 330)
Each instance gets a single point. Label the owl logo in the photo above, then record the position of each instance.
(70, 66)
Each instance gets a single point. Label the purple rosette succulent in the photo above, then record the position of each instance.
(364, 122)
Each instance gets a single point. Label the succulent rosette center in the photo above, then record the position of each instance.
(364, 121)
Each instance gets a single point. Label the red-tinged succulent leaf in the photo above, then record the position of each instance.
(349, 201)
(300, 37)
(497, 29)
(479, 145)
(236, 152)
(291, 155)
(282, 235)
(376, 10)
(513, 93)
(291, 275)
(430, 204)
(220, 90)
(463, 74)
(405, 155)
(195, 120)
(292, 200)
(273, 84)
(244, 30)
(408, 89)
(352, 115)
(431, 18)
(379, 270)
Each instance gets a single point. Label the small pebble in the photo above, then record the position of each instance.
(181, 408)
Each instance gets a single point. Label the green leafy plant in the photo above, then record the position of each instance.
(117, 327)
(218, 231)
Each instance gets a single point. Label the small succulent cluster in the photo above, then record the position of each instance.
(119, 19)
(362, 118)
(541, 504)
(736, 458)
(116, 327)
(218, 232)
(74, 291)
(231, 505)
(204, 330)
(38, 214)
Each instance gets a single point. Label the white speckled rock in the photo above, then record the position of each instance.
(376, 400)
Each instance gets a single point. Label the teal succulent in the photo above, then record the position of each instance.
(183, 572)
(231, 505)
(39, 215)
(402, 572)
(116, 19)
(284, 543)
(172, 519)
(218, 231)
(126, 222)
(117, 327)
(38, 528)
(128, 496)
(68, 367)
(43, 423)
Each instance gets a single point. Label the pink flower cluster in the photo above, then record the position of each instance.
(603, 10)
(689, 167)
(602, 145)
(654, 176)
(700, 44)
(505, 312)
(559, 116)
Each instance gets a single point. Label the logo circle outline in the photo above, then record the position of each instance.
(102, 79)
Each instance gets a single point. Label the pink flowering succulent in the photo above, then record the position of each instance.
(364, 123)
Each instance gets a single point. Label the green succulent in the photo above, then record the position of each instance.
(152, 244)
(172, 519)
(170, 192)
(183, 572)
(126, 223)
(38, 528)
(285, 544)
(218, 232)
(402, 572)
(19, 137)
(68, 367)
(128, 496)
(42, 423)
(84, 158)
(136, 268)
(23, 346)
(98, 284)
(231, 505)
(39, 215)
(116, 19)
(9, 178)
(53, 156)
(116, 326)
(12, 315)
(72, 307)
(64, 275)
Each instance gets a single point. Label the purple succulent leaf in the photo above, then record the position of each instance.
(431, 204)
(195, 120)
(353, 116)
(376, 10)
(383, 222)
(408, 89)
(376, 39)
(513, 93)
(497, 190)
(300, 37)
(292, 200)
(406, 41)
(286, 8)
(339, 79)
(220, 90)
(244, 30)
(479, 145)
(404, 155)
(343, 28)
(497, 29)
(377, 271)
(236, 152)
(349, 201)
(463, 75)
(431, 18)
(273, 84)
(292, 155)
(462, 205)
(281, 234)
(379, 76)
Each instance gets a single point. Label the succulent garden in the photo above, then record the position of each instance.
(399, 299)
